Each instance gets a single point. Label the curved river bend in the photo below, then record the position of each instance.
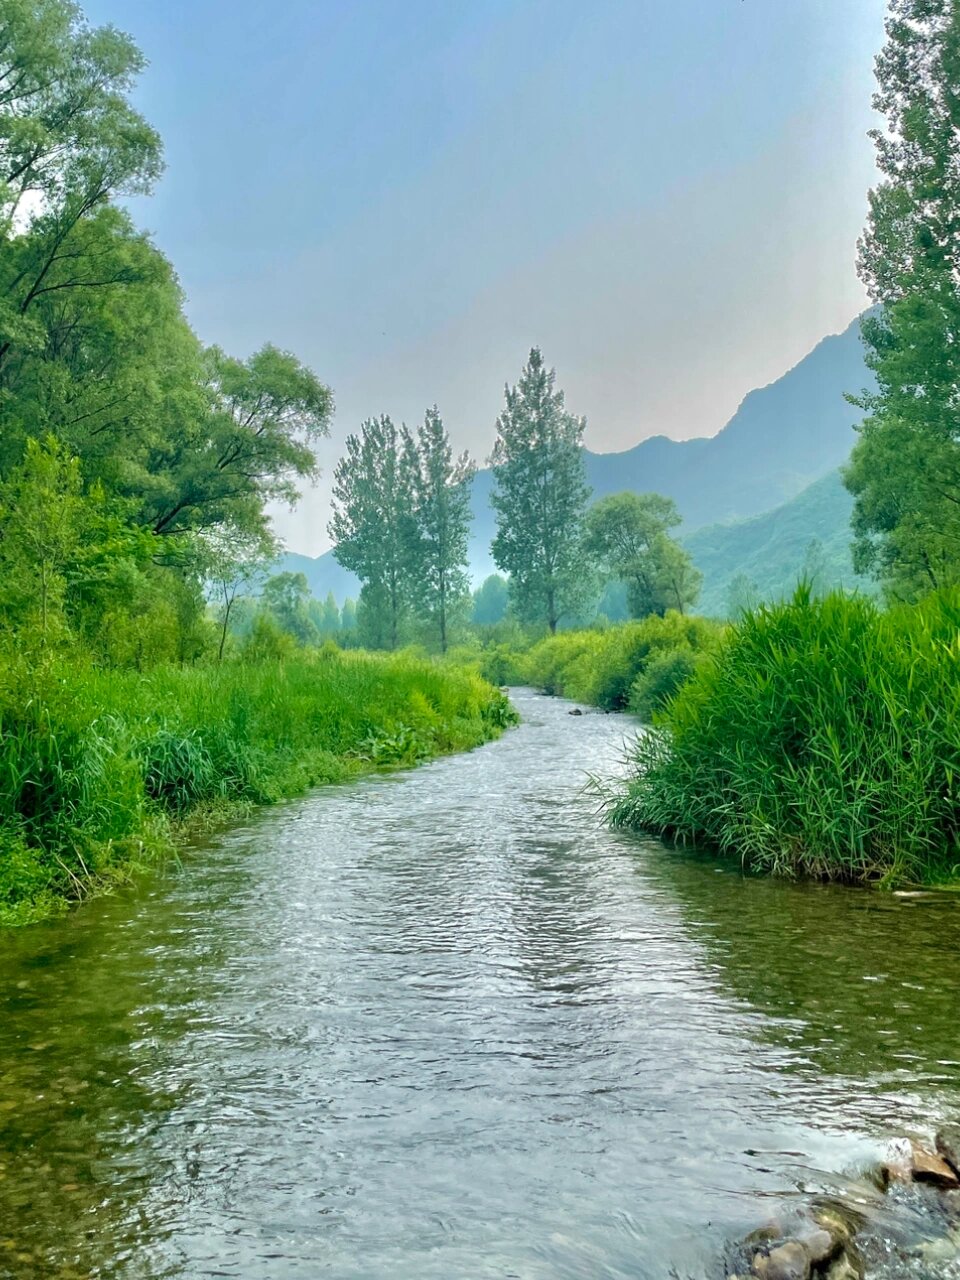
(442, 1024)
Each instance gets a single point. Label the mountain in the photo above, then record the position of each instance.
(781, 439)
(773, 550)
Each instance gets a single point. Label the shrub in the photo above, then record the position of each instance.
(663, 675)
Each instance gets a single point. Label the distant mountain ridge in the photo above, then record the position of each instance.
(782, 438)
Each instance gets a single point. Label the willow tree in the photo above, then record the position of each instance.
(540, 495)
(905, 468)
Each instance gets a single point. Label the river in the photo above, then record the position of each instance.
(444, 1024)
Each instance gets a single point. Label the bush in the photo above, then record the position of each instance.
(601, 667)
(663, 675)
(823, 738)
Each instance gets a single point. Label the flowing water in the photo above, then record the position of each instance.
(443, 1024)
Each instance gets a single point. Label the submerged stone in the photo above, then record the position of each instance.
(788, 1261)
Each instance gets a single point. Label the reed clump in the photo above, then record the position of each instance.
(98, 767)
(822, 738)
(631, 666)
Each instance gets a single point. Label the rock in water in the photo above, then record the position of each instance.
(788, 1261)
(846, 1268)
(575, 712)
(819, 1244)
(928, 1167)
(948, 1144)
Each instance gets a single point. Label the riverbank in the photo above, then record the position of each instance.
(626, 666)
(102, 772)
(822, 739)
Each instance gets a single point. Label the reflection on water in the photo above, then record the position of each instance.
(444, 1025)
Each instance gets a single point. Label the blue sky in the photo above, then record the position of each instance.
(409, 194)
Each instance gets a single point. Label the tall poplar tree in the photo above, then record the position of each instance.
(439, 553)
(905, 468)
(373, 523)
(540, 495)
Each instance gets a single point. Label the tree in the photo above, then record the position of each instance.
(250, 448)
(69, 141)
(42, 516)
(743, 596)
(285, 597)
(540, 495)
(441, 492)
(236, 562)
(905, 468)
(490, 601)
(325, 615)
(373, 525)
(626, 535)
(348, 615)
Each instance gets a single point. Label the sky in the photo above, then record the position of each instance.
(409, 194)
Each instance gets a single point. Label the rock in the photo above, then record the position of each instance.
(838, 1222)
(948, 1144)
(575, 712)
(819, 1244)
(788, 1261)
(950, 1200)
(847, 1267)
(928, 1167)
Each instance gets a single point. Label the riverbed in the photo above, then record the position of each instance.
(445, 1024)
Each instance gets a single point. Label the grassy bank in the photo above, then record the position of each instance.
(822, 739)
(98, 769)
(633, 666)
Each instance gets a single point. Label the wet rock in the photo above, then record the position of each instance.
(788, 1261)
(929, 1167)
(948, 1145)
(849, 1266)
(950, 1203)
(819, 1244)
(840, 1223)
(575, 712)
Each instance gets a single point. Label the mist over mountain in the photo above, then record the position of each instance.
(782, 438)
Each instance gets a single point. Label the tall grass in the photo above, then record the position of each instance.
(823, 739)
(631, 665)
(96, 767)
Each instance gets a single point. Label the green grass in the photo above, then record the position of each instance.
(100, 769)
(822, 739)
(629, 665)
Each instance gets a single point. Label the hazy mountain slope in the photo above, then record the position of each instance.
(782, 438)
(773, 549)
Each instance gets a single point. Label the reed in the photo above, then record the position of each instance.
(823, 738)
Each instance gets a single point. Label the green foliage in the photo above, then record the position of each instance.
(441, 493)
(94, 765)
(602, 667)
(660, 679)
(491, 600)
(823, 738)
(373, 525)
(626, 535)
(905, 469)
(540, 496)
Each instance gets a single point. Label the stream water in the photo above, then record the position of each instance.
(444, 1024)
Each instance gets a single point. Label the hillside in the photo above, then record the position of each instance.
(774, 549)
(782, 438)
